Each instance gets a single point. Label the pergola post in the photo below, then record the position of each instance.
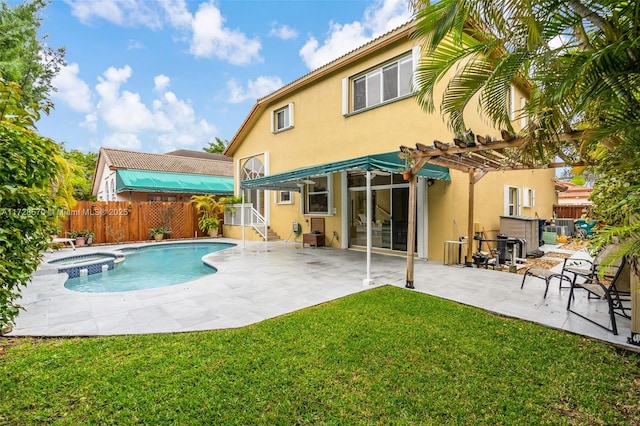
(468, 259)
(411, 228)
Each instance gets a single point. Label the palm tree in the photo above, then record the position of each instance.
(579, 60)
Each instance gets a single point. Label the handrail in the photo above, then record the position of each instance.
(233, 216)
(258, 220)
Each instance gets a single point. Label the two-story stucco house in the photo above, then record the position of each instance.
(305, 151)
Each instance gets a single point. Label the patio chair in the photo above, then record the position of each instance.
(57, 240)
(316, 236)
(547, 275)
(612, 286)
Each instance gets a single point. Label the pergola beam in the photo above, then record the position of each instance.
(476, 160)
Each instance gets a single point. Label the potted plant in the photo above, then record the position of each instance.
(209, 209)
(229, 202)
(406, 170)
(159, 232)
(88, 236)
(79, 237)
(209, 225)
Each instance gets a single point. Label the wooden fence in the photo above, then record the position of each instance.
(572, 211)
(120, 221)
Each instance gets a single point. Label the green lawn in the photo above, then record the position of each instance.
(384, 356)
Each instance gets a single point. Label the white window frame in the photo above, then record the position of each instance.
(287, 113)
(512, 205)
(284, 197)
(377, 75)
(309, 191)
(529, 197)
(113, 189)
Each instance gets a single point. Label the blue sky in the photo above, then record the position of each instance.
(159, 75)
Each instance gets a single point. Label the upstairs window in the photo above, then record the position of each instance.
(383, 84)
(282, 119)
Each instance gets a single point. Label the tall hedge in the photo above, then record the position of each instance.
(29, 170)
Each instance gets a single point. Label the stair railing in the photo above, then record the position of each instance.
(233, 216)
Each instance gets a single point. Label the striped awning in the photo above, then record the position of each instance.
(153, 181)
(388, 162)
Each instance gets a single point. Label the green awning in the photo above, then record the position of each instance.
(152, 181)
(389, 162)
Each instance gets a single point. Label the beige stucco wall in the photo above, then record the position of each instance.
(448, 204)
(321, 134)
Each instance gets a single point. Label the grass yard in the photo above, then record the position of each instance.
(384, 356)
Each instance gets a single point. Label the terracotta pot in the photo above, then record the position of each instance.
(79, 241)
(406, 175)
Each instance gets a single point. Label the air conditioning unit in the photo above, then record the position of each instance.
(559, 230)
(566, 223)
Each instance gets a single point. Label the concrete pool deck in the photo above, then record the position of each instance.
(261, 281)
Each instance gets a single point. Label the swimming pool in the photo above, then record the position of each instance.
(152, 266)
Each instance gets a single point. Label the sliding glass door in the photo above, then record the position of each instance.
(389, 213)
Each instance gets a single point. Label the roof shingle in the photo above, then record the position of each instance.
(122, 159)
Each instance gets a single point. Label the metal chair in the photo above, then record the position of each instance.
(611, 285)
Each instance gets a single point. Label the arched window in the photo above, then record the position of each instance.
(253, 168)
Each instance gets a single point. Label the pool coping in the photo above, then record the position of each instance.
(49, 266)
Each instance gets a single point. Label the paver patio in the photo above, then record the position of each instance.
(262, 281)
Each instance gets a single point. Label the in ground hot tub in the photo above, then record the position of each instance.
(86, 264)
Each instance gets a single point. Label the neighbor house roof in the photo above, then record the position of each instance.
(199, 154)
(122, 159)
(574, 194)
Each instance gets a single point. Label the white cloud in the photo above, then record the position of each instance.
(129, 13)
(177, 13)
(123, 111)
(255, 88)
(169, 122)
(72, 89)
(342, 39)
(134, 45)
(122, 141)
(379, 18)
(384, 15)
(212, 39)
(283, 32)
(90, 122)
(161, 82)
(207, 35)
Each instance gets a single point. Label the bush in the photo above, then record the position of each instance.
(29, 173)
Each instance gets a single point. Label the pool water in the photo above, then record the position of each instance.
(151, 267)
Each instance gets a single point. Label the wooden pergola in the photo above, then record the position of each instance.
(476, 157)
(468, 156)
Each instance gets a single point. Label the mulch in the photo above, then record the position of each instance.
(546, 263)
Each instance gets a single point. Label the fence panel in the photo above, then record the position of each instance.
(122, 221)
(572, 211)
